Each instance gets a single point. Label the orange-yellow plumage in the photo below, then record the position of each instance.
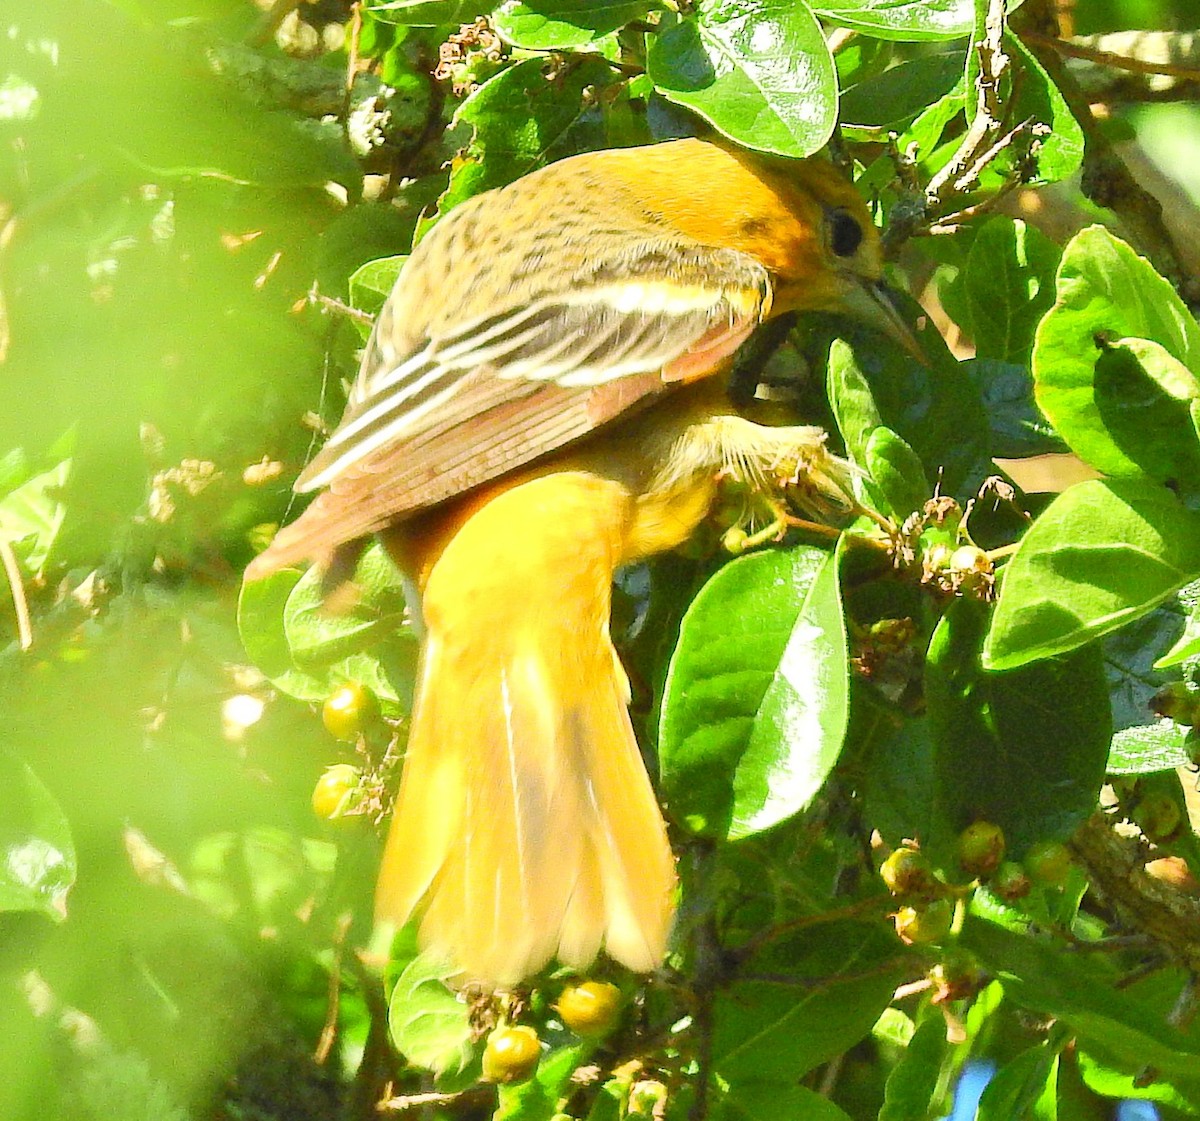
(479, 439)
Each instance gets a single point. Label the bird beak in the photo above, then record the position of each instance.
(870, 302)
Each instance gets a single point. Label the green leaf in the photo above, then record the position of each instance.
(1100, 400)
(547, 25)
(1017, 427)
(752, 1101)
(904, 20)
(427, 13)
(800, 726)
(932, 407)
(902, 92)
(1004, 289)
(730, 650)
(39, 856)
(34, 513)
(1016, 1087)
(387, 670)
(908, 1094)
(1078, 990)
(1024, 749)
(1142, 741)
(521, 119)
(829, 984)
(429, 1024)
(1100, 1076)
(1036, 96)
(1187, 646)
(896, 477)
(1103, 553)
(372, 283)
(537, 1098)
(759, 71)
(319, 636)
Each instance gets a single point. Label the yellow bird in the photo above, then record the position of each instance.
(480, 441)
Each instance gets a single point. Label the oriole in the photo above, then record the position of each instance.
(529, 319)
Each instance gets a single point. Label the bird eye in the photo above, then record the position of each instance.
(845, 234)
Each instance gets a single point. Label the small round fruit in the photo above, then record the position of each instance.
(336, 791)
(511, 1054)
(981, 848)
(1049, 863)
(346, 710)
(1010, 881)
(590, 1009)
(1158, 816)
(907, 872)
(929, 923)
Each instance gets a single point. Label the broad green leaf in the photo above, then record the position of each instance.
(1016, 1087)
(757, 70)
(33, 513)
(429, 1024)
(905, 20)
(1111, 413)
(775, 1030)
(371, 284)
(1004, 289)
(537, 1098)
(1060, 150)
(35, 839)
(1187, 646)
(1017, 427)
(800, 725)
(521, 119)
(925, 133)
(1024, 749)
(1079, 990)
(387, 669)
(1182, 1094)
(317, 635)
(1142, 741)
(909, 1092)
(900, 94)
(427, 13)
(1105, 552)
(731, 644)
(1163, 368)
(896, 477)
(932, 407)
(754, 1100)
(547, 25)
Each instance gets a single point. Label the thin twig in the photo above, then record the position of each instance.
(1074, 49)
(20, 604)
(404, 1103)
(333, 1000)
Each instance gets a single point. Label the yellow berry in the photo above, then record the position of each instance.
(1049, 863)
(981, 848)
(590, 1009)
(336, 792)
(929, 923)
(907, 872)
(511, 1054)
(346, 710)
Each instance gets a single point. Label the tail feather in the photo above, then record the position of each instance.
(526, 827)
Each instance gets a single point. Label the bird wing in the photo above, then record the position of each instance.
(463, 405)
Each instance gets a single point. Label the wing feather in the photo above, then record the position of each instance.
(433, 415)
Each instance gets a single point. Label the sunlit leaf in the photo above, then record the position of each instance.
(35, 839)
(758, 70)
(1104, 553)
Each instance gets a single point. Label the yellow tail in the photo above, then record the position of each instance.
(526, 827)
